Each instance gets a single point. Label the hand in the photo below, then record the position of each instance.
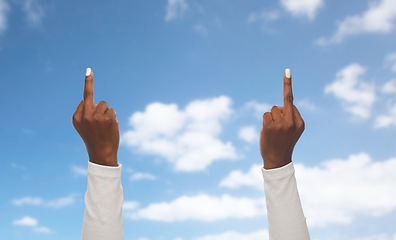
(97, 126)
(282, 127)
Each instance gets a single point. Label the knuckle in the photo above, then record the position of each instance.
(75, 118)
(287, 82)
(267, 128)
(86, 119)
(289, 98)
(87, 94)
(110, 113)
(96, 117)
(280, 126)
(274, 126)
(265, 122)
(290, 126)
(302, 124)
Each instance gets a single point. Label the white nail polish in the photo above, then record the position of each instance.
(287, 72)
(88, 72)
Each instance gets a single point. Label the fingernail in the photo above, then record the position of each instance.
(88, 72)
(287, 72)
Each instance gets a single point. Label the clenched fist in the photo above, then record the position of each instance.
(97, 126)
(282, 127)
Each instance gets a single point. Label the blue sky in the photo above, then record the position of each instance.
(189, 81)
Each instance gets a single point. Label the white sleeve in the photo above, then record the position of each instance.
(103, 204)
(286, 219)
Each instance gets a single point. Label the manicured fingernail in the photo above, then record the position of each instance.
(287, 72)
(88, 72)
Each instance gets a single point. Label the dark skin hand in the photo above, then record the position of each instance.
(282, 127)
(98, 127)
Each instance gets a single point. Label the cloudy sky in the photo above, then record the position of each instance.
(189, 81)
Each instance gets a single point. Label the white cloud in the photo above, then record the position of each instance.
(217, 22)
(142, 176)
(79, 171)
(355, 95)
(379, 18)
(249, 134)
(26, 221)
(175, 9)
(389, 87)
(60, 202)
(337, 196)
(31, 222)
(186, 138)
(4, 8)
(201, 29)
(14, 165)
(27, 201)
(341, 190)
(231, 235)
(263, 16)
(237, 178)
(383, 236)
(391, 61)
(307, 104)
(28, 131)
(33, 11)
(57, 203)
(259, 108)
(307, 8)
(42, 230)
(130, 205)
(202, 208)
(386, 120)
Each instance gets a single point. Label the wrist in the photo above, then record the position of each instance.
(106, 161)
(275, 163)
